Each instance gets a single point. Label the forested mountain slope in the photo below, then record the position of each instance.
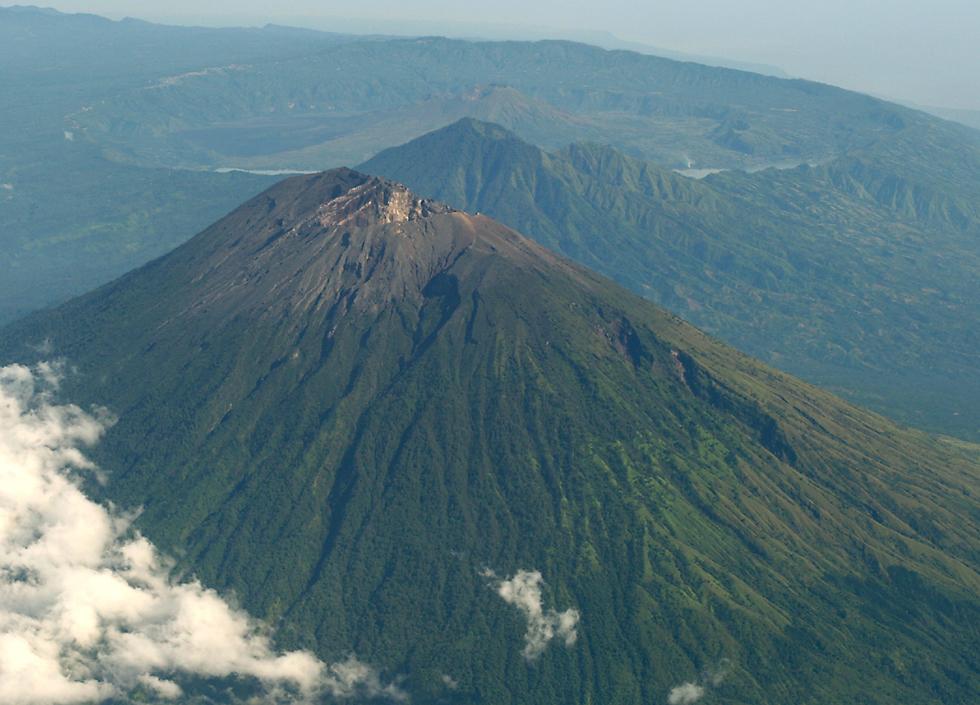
(373, 417)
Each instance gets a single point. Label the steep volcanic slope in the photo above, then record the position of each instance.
(355, 408)
(861, 275)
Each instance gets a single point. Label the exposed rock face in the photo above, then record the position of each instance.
(376, 202)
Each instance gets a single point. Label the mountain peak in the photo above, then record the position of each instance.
(472, 125)
(372, 201)
(319, 241)
(344, 197)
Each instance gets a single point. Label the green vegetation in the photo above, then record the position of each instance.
(344, 421)
(341, 100)
(106, 219)
(344, 416)
(860, 275)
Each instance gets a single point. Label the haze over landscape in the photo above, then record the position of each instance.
(924, 53)
(525, 353)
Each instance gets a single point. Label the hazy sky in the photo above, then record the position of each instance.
(925, 51)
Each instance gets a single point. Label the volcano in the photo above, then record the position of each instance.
(398, 429)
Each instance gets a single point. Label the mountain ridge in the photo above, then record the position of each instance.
(842, 273)
(654, 107)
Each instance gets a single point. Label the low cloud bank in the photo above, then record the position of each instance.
(523, 590)
(88, 611)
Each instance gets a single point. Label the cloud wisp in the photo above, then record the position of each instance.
(523, 590)
(88, 610)
(685, 694)
(692, 691)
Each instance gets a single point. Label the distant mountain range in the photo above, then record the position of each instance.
(970, 118)
(859, 275)
(854, 266)
(400, 430)
(350, 99)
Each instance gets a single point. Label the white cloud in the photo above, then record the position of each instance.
(685, 694)
(7, 187)
(88, 611)
(524, 592)
(168, 690)
(69, 136)
(691, 692)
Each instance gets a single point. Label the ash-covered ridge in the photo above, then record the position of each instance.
(330, 241)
